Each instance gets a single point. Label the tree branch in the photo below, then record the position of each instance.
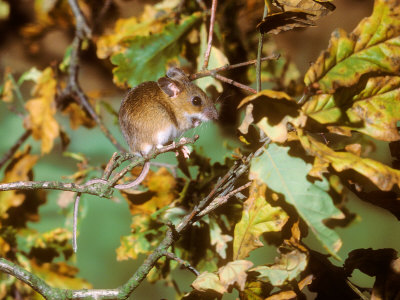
(210, 34)
(217, 202)
(73, 88)
(223, 188)
(205, 73)
(100, 187)
(30, 279)
(182, 262)
(93, 189)
(82, 27)
(235, 83)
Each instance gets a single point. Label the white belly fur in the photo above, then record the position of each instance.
(166, 135)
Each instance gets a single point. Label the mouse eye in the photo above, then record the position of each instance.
(196, 101)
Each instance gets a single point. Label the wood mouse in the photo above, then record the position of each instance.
(154, 113)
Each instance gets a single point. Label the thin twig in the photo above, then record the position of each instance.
(235, 83)
(182, 262)
(140, 160)
(202, 4)
(111, 165)
(73, 88)
(75, 223)
(82, 27)
(205, 73)
(356, 290)
(259, 52)
(14, 148)
(217, 202)
(210, 34)
(98, 187)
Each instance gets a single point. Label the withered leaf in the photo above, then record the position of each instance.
(42, 109)
(208, 281)
(284, 21)
(288, 14)
(19, 169)
(380, 174)
(234, 272)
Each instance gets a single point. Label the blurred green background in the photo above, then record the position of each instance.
(105, 221)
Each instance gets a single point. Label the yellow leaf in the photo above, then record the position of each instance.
(258, 217)
(4, 247)
(150, 22)
(161, 192)
(7, 94)
(381, 175)
(41, 110)
(59, 275)
(234, 272)
(208, 281)
(78, 117)
(18, 170)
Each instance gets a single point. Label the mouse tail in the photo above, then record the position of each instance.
(138, 180)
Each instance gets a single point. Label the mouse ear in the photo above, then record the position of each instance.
(170, 87)
(177, 74)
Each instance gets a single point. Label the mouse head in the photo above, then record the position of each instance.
(192, 101)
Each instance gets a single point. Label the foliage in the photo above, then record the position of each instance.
(308, 141)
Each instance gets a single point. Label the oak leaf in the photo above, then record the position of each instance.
(234, 272)
(373, 47)
(287, 175)
(381, 175)
(258, 217)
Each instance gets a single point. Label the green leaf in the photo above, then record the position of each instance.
(287, 175)
(32, 74)
(371, 107)
(66, 60)
(258, 217)
(146, 57)
(288, 266)
(374, 46)
(142, 240)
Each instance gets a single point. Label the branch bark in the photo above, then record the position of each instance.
(224, 187)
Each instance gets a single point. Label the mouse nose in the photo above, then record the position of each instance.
(210, 113)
